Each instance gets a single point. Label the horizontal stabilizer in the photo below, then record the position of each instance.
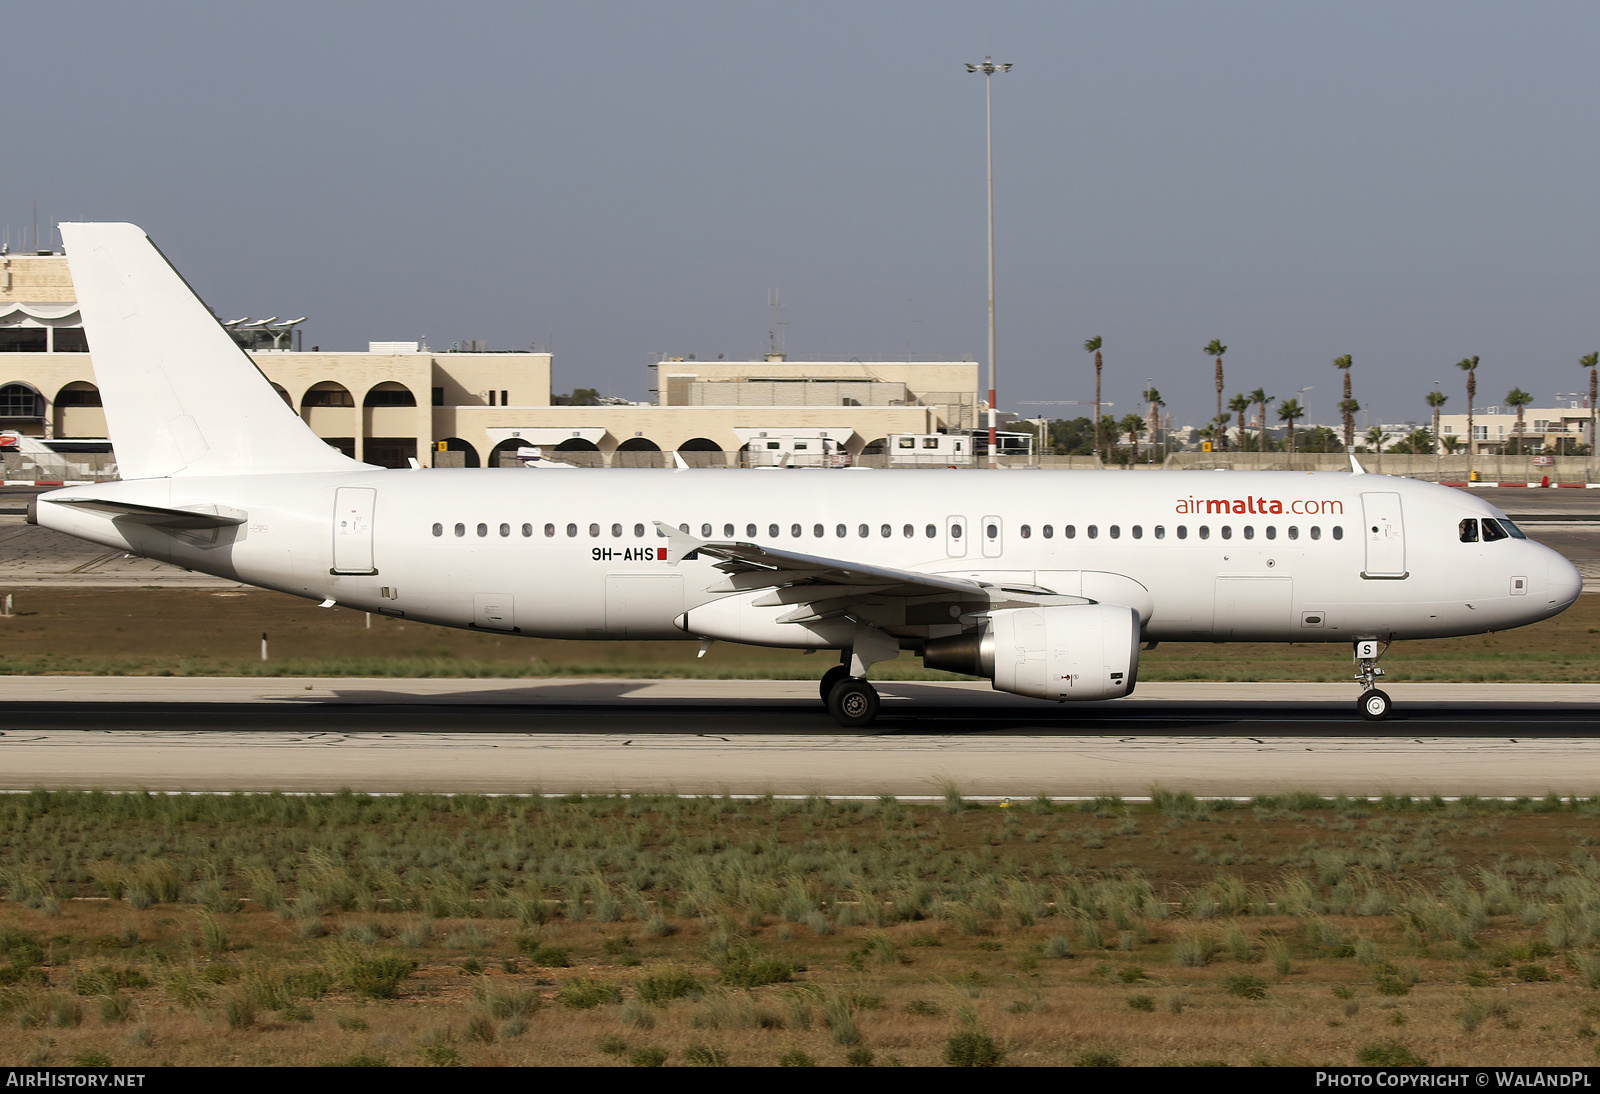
(203, 516)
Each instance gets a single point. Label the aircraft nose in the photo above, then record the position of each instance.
(1563, 583)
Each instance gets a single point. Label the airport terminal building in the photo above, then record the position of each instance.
(400, 401)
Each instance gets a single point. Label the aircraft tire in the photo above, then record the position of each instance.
(831, 678)
(1375, 705)
(853, 703)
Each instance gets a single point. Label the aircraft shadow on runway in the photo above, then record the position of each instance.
(909, 709)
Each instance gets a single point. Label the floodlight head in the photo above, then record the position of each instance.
(972, 68)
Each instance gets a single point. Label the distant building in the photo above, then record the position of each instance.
(400, 401)
(1556, 430)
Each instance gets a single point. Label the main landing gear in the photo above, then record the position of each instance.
(1374, 705)
(852, 701)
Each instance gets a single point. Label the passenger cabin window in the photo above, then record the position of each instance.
(638, 531)
(483, 529)
(1069, 531)
(1316, 533)
(572, 531)
(1049, 532)
(1183, 531)
(1094, 531)
(1294, 532)
(1272, 531)
(549, 530)
(1024, 531)
(1205, 531)
(438, 529)
(1138, 531)
(932, 531)
(1227, 531)
(1338, 532)
(1161, 531)
(505, 529)
(461, 529)
(527, 530)
(594, 531)
(616, 531)
(750, 530)
(705, 531)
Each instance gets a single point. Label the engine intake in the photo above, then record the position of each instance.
(1066, 653)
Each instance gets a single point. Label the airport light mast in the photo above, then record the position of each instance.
(989, 68)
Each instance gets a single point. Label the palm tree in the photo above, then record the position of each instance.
(1215, 348)
(1093, 346)
(1153, 397)
(1132, 425)
(1349, 405)
(1518, 398)
(1437, 399)
(1288, 411)
(1590, 361)
(1260, 398)
(1240, 405)
(1469, 365)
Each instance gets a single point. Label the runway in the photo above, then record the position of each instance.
(756, 737)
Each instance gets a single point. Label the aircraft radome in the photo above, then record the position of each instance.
(1046, 582)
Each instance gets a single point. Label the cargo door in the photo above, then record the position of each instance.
(643, 605)
(1254, 607)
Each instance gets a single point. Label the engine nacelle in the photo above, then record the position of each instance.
(1065, 653)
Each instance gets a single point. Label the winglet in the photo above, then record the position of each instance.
(1355, 465)
(681, 546)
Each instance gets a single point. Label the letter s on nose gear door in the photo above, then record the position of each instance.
(1384, 533)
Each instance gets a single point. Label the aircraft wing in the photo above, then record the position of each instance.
(767, 567)
(820, 587)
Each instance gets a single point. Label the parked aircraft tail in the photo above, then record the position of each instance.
(180, 396)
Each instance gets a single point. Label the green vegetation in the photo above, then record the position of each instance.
(649, 930)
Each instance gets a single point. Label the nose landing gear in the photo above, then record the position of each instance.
(1374, 705)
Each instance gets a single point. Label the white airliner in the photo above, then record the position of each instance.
(1046, 583)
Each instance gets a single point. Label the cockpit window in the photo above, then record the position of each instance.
(1516, 533)
(1492, 530)
(1469, 530)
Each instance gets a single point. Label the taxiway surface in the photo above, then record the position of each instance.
(756, 737)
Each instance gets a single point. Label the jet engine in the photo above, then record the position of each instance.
(1062, 652)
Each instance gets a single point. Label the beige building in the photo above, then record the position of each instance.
(1555, 430)
(400, 401)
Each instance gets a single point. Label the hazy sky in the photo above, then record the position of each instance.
(1410, 183)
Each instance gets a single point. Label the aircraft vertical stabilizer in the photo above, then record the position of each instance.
(180, 396)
